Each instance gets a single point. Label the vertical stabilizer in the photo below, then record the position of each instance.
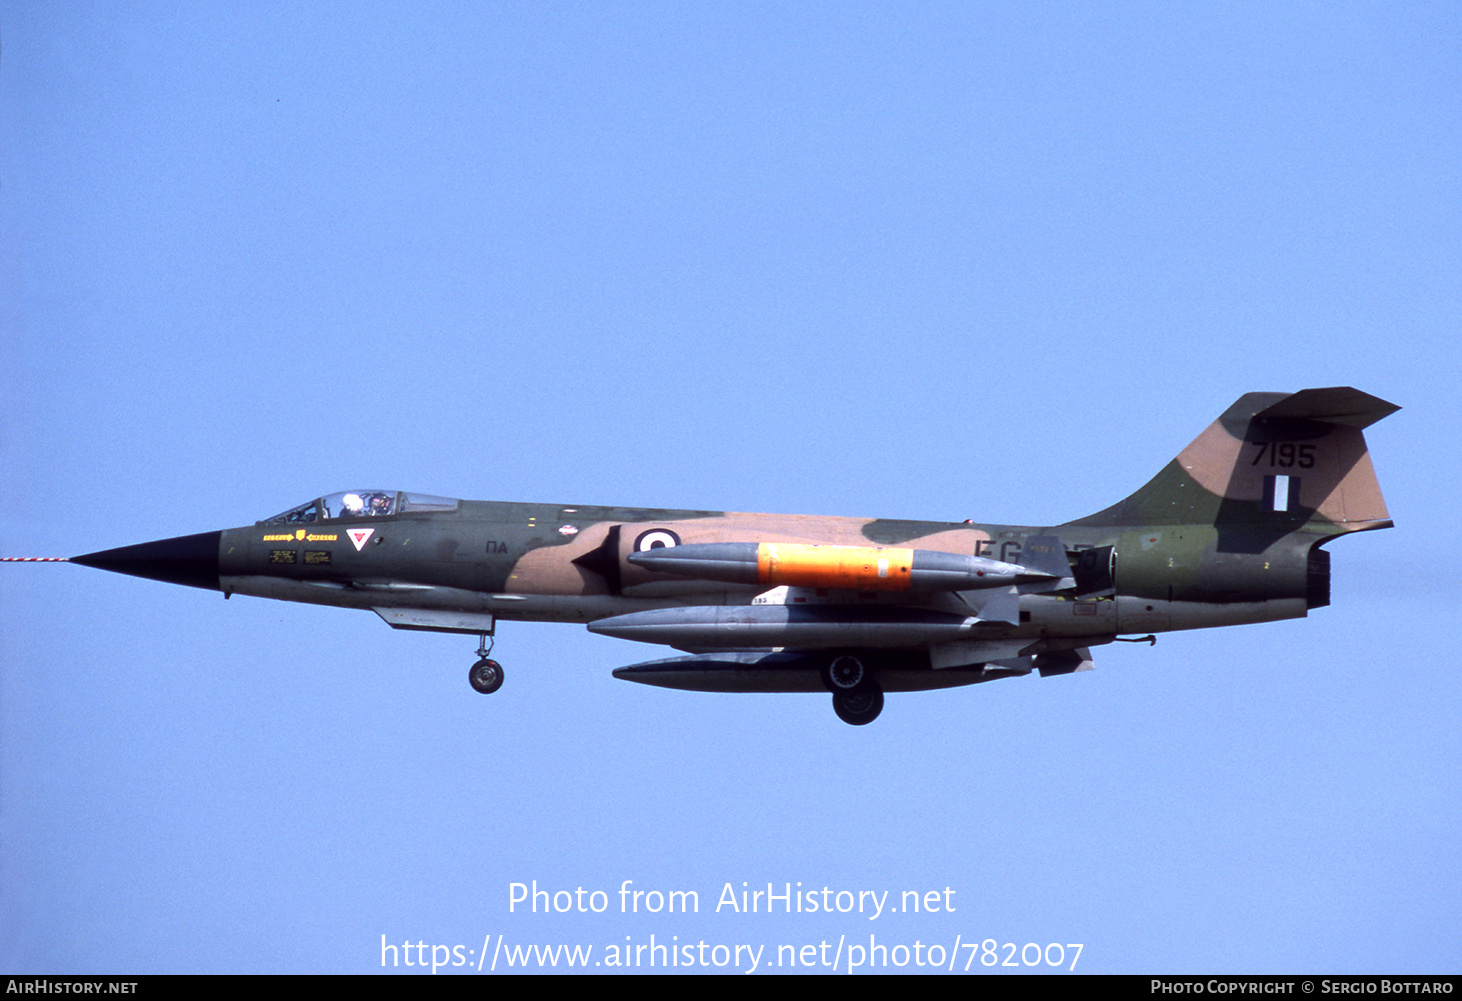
(1273, 463)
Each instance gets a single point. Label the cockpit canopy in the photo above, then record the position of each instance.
(362, 504)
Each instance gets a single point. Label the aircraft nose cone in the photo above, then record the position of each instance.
(188, 559)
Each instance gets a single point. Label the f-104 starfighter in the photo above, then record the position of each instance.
(1231, 531)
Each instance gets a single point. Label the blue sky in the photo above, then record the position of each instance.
(936, 261)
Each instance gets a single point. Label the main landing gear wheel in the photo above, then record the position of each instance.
(859, 706)
(486, 676)
(844, 673)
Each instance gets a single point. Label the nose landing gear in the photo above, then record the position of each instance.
(486, 676)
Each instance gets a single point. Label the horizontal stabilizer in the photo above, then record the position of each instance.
(1336, 405)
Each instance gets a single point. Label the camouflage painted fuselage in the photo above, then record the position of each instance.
(1229, 532)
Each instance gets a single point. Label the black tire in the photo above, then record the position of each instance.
(486, 676)
(860, 706)
(844, 673)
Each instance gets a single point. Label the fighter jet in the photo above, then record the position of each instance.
(1231, 531)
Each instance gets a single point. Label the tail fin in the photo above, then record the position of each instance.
(1273, 463)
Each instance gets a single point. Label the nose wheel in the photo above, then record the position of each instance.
(486, 676)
